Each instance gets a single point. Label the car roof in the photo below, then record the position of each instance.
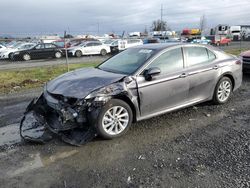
(162, 46)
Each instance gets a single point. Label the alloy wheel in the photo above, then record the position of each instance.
(224, 90)
(115, 120)
(26, 57)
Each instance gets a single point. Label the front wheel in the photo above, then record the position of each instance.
(78, 53)
(114, 119)
(11, 55)
(223, 91)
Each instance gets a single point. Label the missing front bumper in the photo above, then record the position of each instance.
(41, 123)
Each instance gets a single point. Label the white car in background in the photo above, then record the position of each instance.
(2, 47)
(89, 48)
(6, 53)
(122, 44)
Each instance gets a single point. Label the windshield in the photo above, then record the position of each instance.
(108, 41)
(128, 61)
(115, 43)
(16, 45)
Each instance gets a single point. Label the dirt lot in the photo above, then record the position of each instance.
(202, 146)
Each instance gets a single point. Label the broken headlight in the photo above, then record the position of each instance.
(105, 92)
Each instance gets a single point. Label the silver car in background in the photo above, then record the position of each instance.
(138, 83)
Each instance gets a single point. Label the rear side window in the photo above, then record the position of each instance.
(97, 44)
(168, 62)
(49, 46)
(198, 55)
(211, 55)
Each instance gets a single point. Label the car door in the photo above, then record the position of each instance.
(49, 50)
(88, 48)
(167, 90)
(37, 51)
(97, 47)
(202, 71)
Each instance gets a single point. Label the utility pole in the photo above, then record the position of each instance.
(66, 51)
(161, 17)
(98, 27)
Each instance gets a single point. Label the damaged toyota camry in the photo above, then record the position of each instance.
(136, 84)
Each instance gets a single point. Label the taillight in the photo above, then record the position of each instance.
(238, 62)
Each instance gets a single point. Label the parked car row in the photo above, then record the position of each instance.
(18, 50)
(43, 50)
(76, 48)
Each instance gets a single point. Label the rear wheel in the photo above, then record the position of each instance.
(114, 119)
(58, 55)
(26, 57)
(223, 91)
(103, 52)
(78, 53)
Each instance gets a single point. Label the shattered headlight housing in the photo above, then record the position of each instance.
(105, 93)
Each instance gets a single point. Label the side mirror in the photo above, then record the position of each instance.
(151, 72)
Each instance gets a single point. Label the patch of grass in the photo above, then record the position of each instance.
(17, 80)
(236, 51)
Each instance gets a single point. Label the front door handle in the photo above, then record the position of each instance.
(183, 75)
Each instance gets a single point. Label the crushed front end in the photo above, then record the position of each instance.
(55, 114)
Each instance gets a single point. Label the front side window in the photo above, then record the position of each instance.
(198, 55)
(169, 62)
(39, 46)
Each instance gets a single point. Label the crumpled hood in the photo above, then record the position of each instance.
(81, 82)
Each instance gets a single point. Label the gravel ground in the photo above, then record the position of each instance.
(202, 146)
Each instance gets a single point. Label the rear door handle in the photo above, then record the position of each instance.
(183, 75)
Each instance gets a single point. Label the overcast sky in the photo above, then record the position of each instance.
(35, 17)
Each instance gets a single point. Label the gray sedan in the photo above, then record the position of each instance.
(136, 84)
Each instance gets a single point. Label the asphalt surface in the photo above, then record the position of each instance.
(8, 64)
(202, 146)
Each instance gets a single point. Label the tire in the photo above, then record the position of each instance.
(223, 90)
(58, 55)
(10, 55)
(26, 57)
(78, 53)
(106, 119)
(103, 52)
